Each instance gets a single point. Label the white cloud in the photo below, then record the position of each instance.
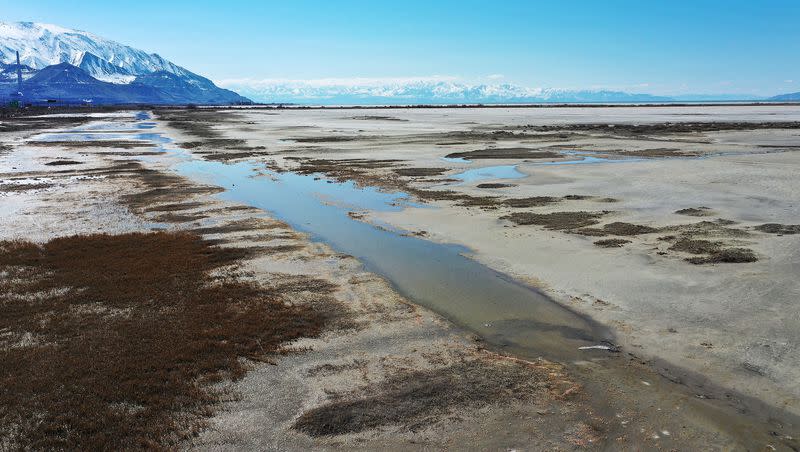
(788, 81)
(495, 76)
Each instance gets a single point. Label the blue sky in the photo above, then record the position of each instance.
(660, 47)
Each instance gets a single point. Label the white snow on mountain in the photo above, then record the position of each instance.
(435, 89)
(42, 45)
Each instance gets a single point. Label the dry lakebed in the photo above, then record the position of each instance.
(542, 278)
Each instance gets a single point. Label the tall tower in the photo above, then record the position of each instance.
(19, 74)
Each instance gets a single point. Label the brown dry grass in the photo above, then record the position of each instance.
(556, 220)
(611, 243)
(506, 153)
(113, 342)
(777, 228)
(416, 399)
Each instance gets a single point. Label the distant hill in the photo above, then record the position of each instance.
(372, 92)
(76, 66)
(790, 97)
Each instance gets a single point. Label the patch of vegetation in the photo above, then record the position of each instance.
(63, 163)
(621, 228)
(495, 185)
(708, 229)
(378, 118)
(695, 211)
(534, 201)
(420, 171)
(777, 228)
(726, 255)
(415, 399)
(11, 188)
(556, 220)
(611, 243)
(657, 152)
(120, 144)
(665, 127)
(696, 246)
(326, 139)
(505, 153)
(116, 341)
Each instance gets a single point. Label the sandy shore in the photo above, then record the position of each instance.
(734, 323)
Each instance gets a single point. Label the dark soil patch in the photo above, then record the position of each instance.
(726, 255)
(326, 139)
(227, 156)
(159, 187)
(556, 220)
(495, 185)
(505, 153)
(249, 224)
(620, 228)
(197, 123)
(378, 118)
(781, 229)
(127, 334)
(175, 207)
(710, 252)
(665, 127)
(659, 152)
(416, 399)
(611, 243)
(487, 202)
(173, 217)
(117, 144)
(21, 121)
(708, 229)
(420, 171)
(695, 211)
(696, 246)
(63, 163)
(534, 201)
(224, 143)
(11, 188)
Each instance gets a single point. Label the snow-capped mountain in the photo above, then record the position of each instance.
(789, 97)
(106, 63)
(42, 45)
(434, 90)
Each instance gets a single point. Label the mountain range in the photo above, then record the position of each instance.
(449, 90)
(76, 66)
(67, 65)
(419, 91)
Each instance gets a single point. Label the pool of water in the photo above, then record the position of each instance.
(489, 172)
(456, 160)
(435, 275)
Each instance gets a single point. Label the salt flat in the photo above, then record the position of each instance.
(736, 323)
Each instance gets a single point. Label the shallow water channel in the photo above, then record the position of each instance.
(504, 313)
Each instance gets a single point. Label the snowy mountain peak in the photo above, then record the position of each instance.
(42, 45)
(76, 66)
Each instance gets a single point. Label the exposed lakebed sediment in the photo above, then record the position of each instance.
(516, 318)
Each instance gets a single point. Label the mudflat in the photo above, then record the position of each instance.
(674, 228)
